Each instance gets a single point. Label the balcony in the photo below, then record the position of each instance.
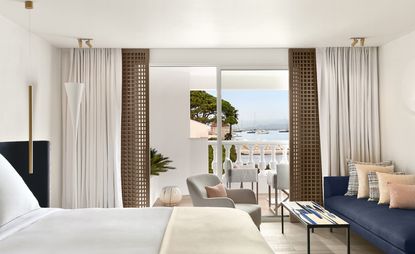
(263, 155)
(259, 154)
(182, 108)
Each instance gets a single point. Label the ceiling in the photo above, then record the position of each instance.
(204, 78)
(215, 23)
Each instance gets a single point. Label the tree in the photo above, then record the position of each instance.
(203, 109)
(230, 116)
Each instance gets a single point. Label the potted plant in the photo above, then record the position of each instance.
(159, 162)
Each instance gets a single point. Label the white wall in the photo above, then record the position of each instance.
(170, 128)
(44, 73)
(397, 97)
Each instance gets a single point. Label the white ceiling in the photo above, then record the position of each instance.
(215, 23)
(204, 78)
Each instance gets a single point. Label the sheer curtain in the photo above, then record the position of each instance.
(94, 178)
(348, 106)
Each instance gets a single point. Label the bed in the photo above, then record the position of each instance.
(146, 230)
(25, 227)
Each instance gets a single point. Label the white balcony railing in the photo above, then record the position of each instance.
(258, 154)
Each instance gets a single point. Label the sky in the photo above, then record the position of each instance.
(260, 109)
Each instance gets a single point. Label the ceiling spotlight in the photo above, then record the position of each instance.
(362, 42)
(89, 43)
(28, 5)
(354, 41)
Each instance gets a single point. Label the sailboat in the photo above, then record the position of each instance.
(253, 131)
(262, 132)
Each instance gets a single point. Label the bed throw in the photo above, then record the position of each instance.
(212, 230)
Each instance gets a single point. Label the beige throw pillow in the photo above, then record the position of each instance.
(402, 196)
(217, 191)
(362, 172)
(385, 179)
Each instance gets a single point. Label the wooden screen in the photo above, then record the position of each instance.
(135, 168)
(305, 162)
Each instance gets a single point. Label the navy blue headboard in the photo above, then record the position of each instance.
(17, 154)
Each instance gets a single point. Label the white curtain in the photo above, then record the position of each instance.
(92, 176)
(348, 107)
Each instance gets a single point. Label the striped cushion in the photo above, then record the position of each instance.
(353, 181)
(374, 185)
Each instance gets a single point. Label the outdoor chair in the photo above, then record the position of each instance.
(279, 180)
(240, 174)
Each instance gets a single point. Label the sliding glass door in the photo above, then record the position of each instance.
(205, 118)
(253, 134)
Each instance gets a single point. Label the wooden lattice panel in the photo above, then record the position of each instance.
(305, 161)
(135, 168)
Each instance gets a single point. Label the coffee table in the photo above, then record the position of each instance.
(312, 215)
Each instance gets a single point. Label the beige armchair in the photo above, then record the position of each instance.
(243, 199)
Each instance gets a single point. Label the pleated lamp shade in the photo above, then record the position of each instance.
(74, 92)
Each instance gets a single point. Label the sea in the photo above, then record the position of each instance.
(270, 136)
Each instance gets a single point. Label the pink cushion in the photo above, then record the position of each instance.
(217, 191)
(402, 196)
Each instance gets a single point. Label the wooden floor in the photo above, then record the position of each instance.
(294, 241)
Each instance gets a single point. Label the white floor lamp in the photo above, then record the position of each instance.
(74, 92)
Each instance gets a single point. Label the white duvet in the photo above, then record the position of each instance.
(132, 231)
(89, 231)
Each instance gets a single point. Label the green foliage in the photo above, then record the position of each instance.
(159, 163)
(230, 114)
(233, 156)
(203, 109)
(228, 136)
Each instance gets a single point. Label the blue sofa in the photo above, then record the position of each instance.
(391, 230)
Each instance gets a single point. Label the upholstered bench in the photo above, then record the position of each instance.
(391, 230)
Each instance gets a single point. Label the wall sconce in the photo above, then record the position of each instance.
(30, 166)
(29, 6)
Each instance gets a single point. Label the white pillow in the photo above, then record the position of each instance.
(15, 197)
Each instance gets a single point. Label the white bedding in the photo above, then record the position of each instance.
(90, 231)
(132, 231)
(24, 221)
